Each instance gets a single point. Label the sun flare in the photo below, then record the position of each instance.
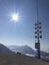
(15, 17)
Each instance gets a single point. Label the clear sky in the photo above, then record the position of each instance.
(22, 33)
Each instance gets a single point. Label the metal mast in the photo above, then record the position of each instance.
(38, 32)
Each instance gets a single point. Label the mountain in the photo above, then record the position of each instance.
(27, 50)
(22, 49)
(7, 58)
(4, 49)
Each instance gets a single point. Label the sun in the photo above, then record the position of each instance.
(15, 17)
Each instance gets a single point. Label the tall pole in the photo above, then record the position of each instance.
(37, 22)
(38, 32)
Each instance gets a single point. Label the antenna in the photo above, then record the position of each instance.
(38, 32)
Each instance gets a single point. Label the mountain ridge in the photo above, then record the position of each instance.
(4, 49)
(23, 49)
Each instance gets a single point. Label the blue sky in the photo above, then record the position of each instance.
(22, 33)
